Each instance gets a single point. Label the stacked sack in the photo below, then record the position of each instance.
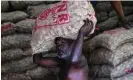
(16, 54)
(111, 55)
(17, 19)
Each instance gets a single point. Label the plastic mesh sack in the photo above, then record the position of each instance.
(61, 19)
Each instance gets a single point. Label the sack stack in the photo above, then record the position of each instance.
(16, 54)
(17, 22)
(111, 55)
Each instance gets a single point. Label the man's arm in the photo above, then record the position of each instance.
(77, 48)
(118, 9)
(45, 61)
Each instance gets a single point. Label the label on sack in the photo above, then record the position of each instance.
(53, 16)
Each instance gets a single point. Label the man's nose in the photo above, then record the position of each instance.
(59, 42)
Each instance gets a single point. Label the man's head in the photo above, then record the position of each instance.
(62, 46)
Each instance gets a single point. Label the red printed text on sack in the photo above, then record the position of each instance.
(6, 27)
(53, 16)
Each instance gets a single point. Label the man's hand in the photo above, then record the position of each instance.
(86, 28)
(126, 24)
(119, 10)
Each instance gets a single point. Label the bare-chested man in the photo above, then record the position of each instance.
(72, 63)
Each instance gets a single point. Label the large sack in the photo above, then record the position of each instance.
(25, 26)
(100, 71)
(38, 73)
(126, 77)
(101, 16)
(102, 79)
(34, 11)
(4, 6)
(13, 16)
(108, 24)
(61, 19)
(18, 5)
(103, 7)
(112, 39)
(15, 41)
(127, 3)
(15, 76)
(120, 70)
(11, 54)
(27, 51)
(18, 65)
(127, 11)
(52, 2)
(7, 28)
(114, 72)
(113, 58)
(33, 3)
(112, 13)
(130, 18)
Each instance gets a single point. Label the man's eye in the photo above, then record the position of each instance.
(63, 41)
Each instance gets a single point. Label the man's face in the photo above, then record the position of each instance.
(62, 47)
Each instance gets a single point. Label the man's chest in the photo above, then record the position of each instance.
(76, 74)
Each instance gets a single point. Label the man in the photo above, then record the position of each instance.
(70, 60)
(117, 6)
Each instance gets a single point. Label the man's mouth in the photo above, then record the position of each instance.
(61, 51)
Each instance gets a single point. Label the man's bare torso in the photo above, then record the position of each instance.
(75, 72)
